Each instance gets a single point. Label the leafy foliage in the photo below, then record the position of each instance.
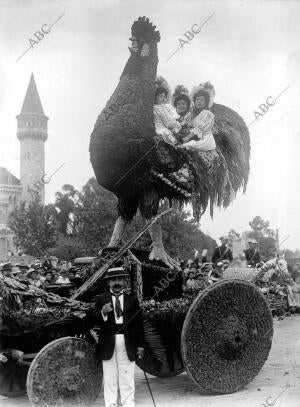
(80, 223)
(65, 205)
(69, 248)
(34, 227)
(265, 236)
(94, 216)
(261, 228)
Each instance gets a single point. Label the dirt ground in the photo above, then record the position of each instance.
(278, 383)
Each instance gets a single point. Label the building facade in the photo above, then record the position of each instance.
(32, 133)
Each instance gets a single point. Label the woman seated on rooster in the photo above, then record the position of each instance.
(165, 117)
(200, 137)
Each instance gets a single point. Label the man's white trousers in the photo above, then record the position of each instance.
(119, 372)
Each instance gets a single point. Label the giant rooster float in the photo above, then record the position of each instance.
(221, 335)
(128, 160)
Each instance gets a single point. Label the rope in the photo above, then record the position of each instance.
(150, 391)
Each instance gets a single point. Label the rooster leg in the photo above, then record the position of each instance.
(158, 251)
(118, 233)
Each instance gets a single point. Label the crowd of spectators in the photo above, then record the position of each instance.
(198, 275)
(43, 273)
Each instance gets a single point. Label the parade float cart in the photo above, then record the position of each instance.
(33, 321)
(221, 336)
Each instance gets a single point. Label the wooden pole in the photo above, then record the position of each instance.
(91, 282)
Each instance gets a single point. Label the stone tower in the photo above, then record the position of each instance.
(32, 133)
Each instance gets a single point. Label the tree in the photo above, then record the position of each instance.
(233, 236)
(68, 248)
(34, 226)
(95, 213)
(65, 205)
(265, 236)
(267, 248)
(261, 228)
(180, 234)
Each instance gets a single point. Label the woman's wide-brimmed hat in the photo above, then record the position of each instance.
(181, 93)
(162, 86)
(204, 89)
(116, 272)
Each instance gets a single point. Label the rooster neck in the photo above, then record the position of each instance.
(145, 68)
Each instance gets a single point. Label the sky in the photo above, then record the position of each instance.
(249, 50)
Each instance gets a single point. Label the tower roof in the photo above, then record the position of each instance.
(7, 178)
(32, 102)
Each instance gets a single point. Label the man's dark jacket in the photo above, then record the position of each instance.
(132, 327)
(221, 253)
(252, 257)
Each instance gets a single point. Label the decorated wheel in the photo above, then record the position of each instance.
(13, 375)
(162, 345)
(65, 372)
(226, 336)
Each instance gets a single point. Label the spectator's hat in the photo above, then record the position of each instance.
(251, 240)
(206, 266)
(116, 272)
(6, 266)
(224, 238)
(15, 270)
(214, 275)
(22, 266)
(30, 271)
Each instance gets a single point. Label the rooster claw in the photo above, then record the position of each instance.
(159, 253)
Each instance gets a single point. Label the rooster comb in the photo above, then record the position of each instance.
(143, 28)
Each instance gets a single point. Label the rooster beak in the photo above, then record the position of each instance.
(133, 49)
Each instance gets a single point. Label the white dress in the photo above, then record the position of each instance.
(165, 120)
(202, 128)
